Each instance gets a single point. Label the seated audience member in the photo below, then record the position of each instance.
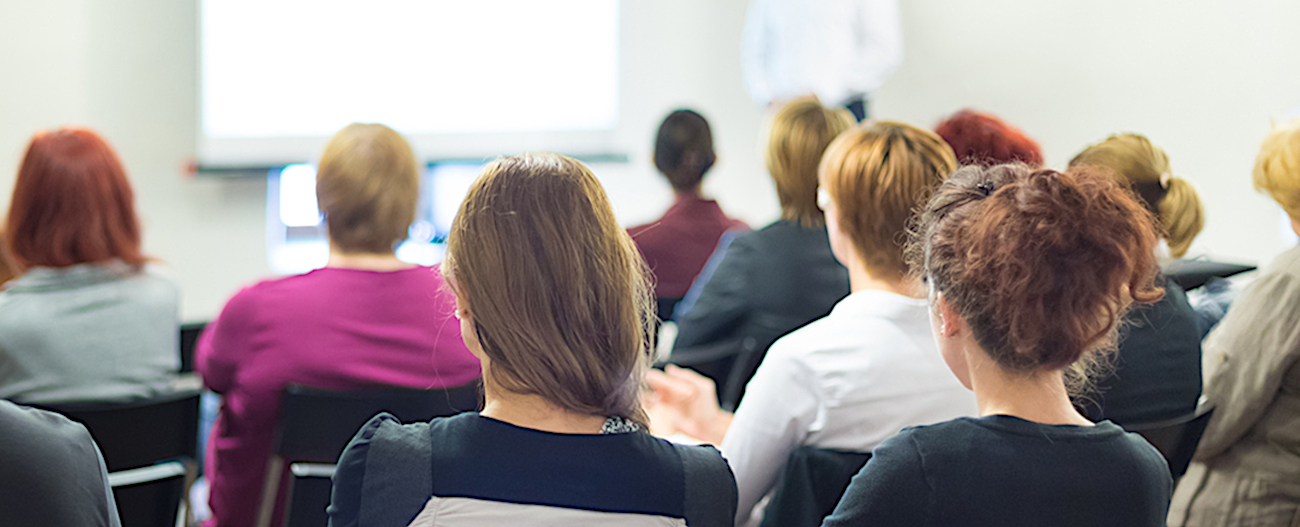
(554, 300)
(51, 472)
(366, 319)
(774, 280)
(677, 245)
(983, 139)
(856, 377)
(1028, 270)
(1247, 467)
(1157, 371)
(86, 319)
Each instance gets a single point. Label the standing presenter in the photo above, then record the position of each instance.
(839, 50)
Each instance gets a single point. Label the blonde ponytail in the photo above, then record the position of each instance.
(1182, 215)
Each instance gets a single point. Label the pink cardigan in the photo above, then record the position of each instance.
(331, 329)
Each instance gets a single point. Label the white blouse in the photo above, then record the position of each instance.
(848, 382)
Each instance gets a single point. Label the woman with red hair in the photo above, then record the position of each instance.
(85, 319)
(983, 139)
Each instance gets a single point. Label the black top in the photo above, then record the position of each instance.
(1004, 471)
(770, 282)
(51, 472)
(1157, 373)
(384, 475)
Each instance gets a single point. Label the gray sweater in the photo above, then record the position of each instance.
(51, 473)
(87, 332)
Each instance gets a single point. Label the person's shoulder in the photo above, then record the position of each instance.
(709, 486)
(29, 429)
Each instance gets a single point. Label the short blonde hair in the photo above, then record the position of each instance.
(1277, 168)
(878, 174)
(559, 295)
(367, 184)
(798, 134)
(1144, 167)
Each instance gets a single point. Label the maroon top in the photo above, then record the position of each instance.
(332, 329)
(677, 245)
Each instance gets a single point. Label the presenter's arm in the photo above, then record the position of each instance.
(880, 44)
(755, 52)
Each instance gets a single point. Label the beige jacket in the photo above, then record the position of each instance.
(1247, 466)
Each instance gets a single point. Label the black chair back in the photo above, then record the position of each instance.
(1176, 439)
(811, 486)
(189, 338)
(316, 425)
(142, 433)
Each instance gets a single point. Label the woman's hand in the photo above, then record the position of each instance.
(684, 401)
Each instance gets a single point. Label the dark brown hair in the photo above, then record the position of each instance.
(684, 149)
(1041, 264)
(559, 295)
(72, 204)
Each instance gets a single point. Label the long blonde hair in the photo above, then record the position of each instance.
(798, 135)
(559, 296)
(1145, 169)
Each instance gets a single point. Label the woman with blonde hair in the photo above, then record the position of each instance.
(554, 299)
(1157, 371)
(774, 280)
(365, 319)
(1246, 465)
(859, 375)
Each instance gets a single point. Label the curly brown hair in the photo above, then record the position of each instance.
(1041, 264)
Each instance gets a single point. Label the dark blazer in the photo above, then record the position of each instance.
(1157, 373)
(772, 281)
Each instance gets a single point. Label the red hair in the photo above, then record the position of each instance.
(72, 204)
(1041, 264)
(982, 139)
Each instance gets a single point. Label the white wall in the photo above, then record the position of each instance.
(1201, 78)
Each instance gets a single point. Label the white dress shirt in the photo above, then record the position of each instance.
(847, 382)
(836, 49)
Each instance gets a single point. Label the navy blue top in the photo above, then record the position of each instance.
(391, 470)
(1004, 471)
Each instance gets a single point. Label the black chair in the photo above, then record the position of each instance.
(811, 485)
(1176, 439)
(189, 338)
(316, 425)
(150, 447)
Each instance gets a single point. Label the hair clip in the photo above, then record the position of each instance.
(985, 187)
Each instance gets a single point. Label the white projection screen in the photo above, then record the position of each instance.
(459, 78)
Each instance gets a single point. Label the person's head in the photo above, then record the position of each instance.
(1144, 168)
(1032, 268)
(684, 149)
(983, 139)
(367, 185)
(1277, 169)
(72, 204)
(875, 176)
(798, 134)
(552, 294)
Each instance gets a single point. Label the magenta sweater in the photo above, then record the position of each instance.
(331, 329)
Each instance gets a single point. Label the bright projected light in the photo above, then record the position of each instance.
(280, 76)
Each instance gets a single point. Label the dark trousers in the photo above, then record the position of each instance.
(858, 105)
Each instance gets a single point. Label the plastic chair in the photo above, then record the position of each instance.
(316, 425)
(811, 486)
(150, 447)
(1177, 438)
